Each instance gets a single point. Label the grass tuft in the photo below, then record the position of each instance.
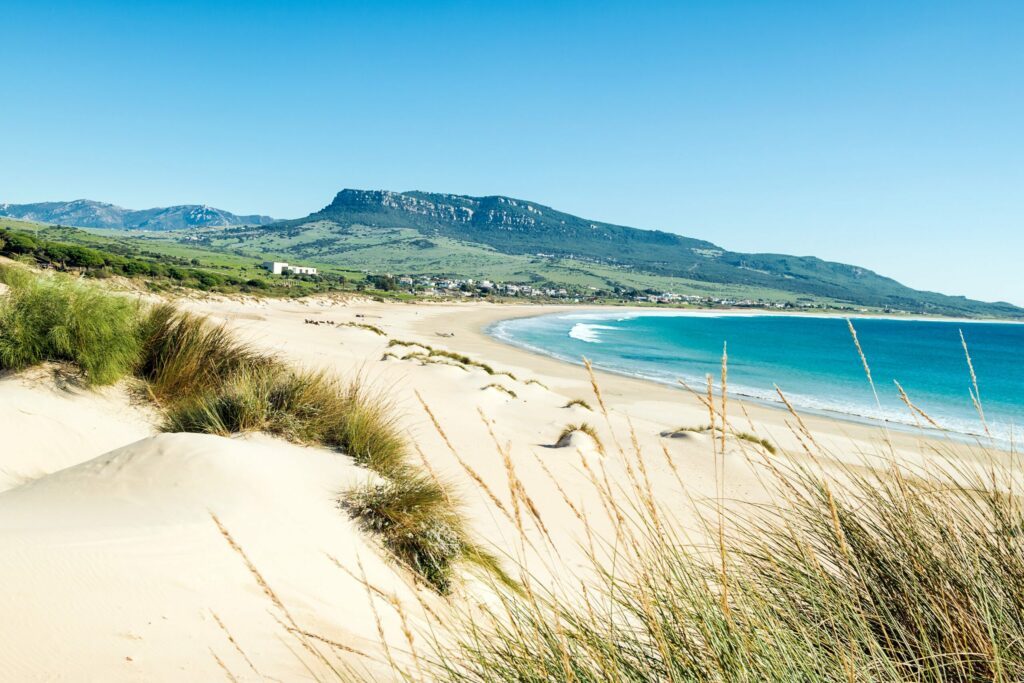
(365, 326)
(414, 516)
(745, 436)
(578, 402)
(459, 358)
(206, 381)
(59, 319)
(185, 355)
(583, 427)
(503, 389)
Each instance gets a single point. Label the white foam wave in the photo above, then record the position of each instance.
(589, 332)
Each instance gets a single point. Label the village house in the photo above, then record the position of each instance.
(279, 268)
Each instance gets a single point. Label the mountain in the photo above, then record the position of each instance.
(473, 236)
(89, 214)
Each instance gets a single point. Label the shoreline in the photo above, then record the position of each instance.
(493, 331)
(473, 325)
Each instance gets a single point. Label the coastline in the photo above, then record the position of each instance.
(90, 470)
(965, 432)
(635, 390)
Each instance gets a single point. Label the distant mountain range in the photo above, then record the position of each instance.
(512, 240)
(85, 213)
(516, 227)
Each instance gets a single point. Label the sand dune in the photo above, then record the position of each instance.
(50, 424)
(114, 568)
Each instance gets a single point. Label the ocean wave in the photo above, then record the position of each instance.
(956, 425)
(589, 332)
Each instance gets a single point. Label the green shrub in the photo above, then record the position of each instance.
(367, 430)
(58, 319)
(418, 523)
(184, 355)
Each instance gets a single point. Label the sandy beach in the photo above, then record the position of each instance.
(138, 555)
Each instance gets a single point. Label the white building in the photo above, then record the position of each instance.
(279, 267)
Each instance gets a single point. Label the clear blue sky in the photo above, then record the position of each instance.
(886, 134)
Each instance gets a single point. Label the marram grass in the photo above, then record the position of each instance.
(892, 576)
(59, 319)
(206, 381)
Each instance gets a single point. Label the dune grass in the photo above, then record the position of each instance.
(743, 436)
(502, 389)
(414, 516)
(205, 380)
(459, 358)
(60, 319)
(578, 402)
(239, 390)
(892, 576)
(365, 326)
(184, 355)
(584, 428)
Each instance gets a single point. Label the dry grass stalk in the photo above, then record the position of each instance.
(473, 474)
(871, 382)
(396, 604)
(269, 592)
(223, 667)
(672, 464)
(914, 410)
(558, 486)
(800, 422)
(516, 488)
(376, 618)
(725, 394)
(234, 643)
(975, 394)
(430, 471)
(600, 402)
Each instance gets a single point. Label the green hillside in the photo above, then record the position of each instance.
(512, 241)
(509, 239)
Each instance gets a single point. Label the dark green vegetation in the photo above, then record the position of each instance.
(89, 214)
(363, 238)
(161, 265)
(513, 240)
(205, 381)
(56, 320)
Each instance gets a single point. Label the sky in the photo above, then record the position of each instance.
(885, 134)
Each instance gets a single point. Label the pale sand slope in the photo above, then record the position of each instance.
(532, 421)
(112, 567)
(48, 425)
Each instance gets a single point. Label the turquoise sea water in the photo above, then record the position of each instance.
(812, 359)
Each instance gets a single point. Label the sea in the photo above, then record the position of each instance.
(812, 359)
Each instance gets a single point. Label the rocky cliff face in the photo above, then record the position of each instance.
(441, 207)
(85, 213)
